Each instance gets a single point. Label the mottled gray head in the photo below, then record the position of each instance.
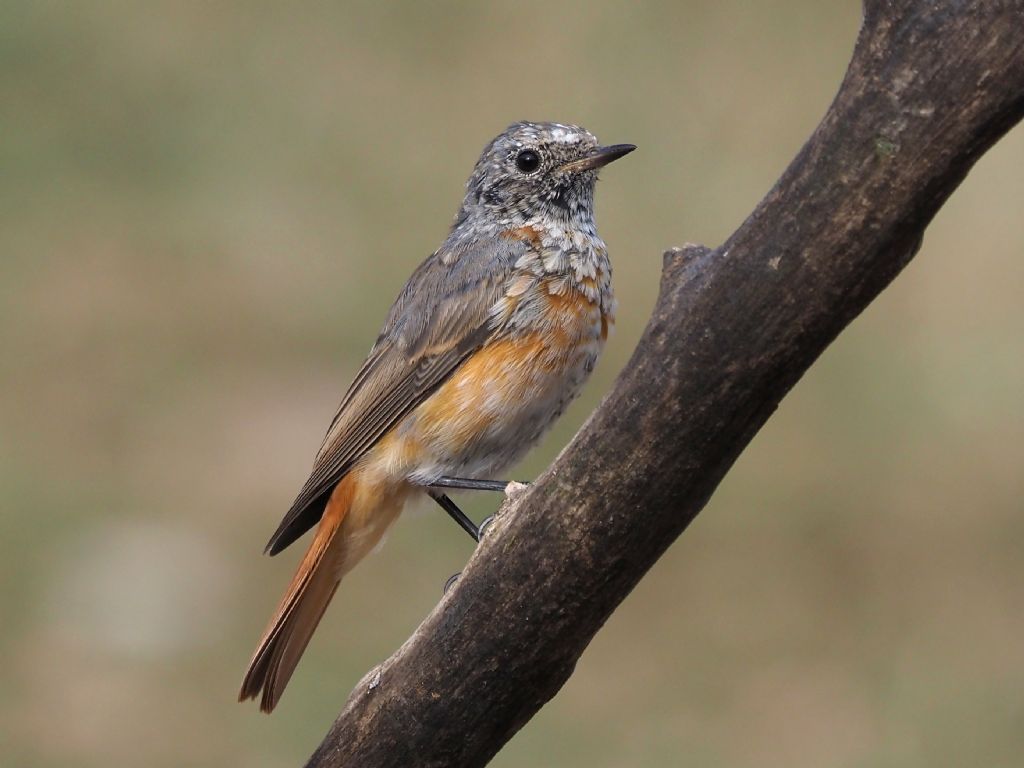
(536, 172)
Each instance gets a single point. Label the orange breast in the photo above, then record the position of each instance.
(499, 401)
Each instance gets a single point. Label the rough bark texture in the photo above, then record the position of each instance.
(932, 85)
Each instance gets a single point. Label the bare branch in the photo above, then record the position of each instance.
(931, 86)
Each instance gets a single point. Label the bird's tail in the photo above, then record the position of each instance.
(303, 605)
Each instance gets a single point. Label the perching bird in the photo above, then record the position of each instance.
(486, 345)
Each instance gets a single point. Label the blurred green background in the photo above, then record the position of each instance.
(204, 214)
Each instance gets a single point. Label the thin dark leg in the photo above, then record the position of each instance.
(457, 514)
(468, 484)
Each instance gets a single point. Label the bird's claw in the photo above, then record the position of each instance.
(484, 525)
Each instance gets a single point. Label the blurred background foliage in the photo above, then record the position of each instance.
(205, 211)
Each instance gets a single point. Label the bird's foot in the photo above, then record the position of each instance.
(450, 582)
(484, 525)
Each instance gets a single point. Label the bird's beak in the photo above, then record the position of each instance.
(598, 158)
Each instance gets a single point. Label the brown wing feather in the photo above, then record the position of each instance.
(441, 317)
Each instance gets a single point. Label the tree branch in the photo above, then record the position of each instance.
(931, 86)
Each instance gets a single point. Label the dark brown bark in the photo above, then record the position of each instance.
(931, 86)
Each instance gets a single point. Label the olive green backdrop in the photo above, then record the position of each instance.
(204, 214)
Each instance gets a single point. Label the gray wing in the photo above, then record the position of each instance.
(442, 315)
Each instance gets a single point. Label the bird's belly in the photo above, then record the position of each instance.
(498, 403)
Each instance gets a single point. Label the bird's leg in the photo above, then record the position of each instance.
(460, 517)
(468, 484)
(462, 483)
(456, 514)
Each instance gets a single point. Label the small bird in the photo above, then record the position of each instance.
(488, 342)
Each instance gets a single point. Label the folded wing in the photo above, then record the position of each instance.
(444, 314)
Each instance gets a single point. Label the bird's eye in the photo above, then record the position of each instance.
(528, 161)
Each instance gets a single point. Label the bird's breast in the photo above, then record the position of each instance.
(550, 326)
(563, 280)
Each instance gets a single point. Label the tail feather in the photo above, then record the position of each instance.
(302, 606)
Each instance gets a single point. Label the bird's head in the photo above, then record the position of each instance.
(537, 171)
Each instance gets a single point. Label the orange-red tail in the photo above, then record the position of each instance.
(302, 606)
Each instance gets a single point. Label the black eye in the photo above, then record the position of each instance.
(528, 161)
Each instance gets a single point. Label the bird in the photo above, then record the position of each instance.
(491, 338)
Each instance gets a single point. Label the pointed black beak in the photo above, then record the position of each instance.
(598, 158)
